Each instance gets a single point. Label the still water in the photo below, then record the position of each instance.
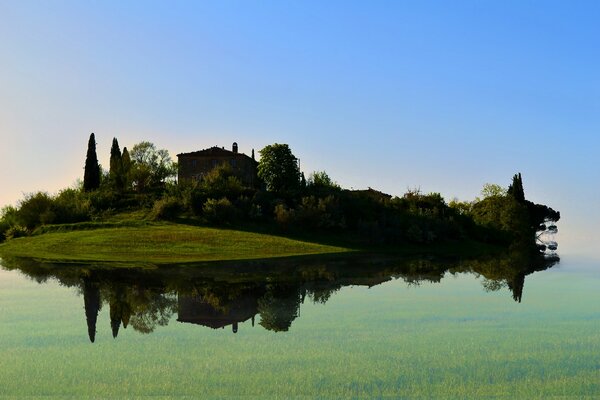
(338, 328)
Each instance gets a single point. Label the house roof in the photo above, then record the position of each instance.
(213, 151)
(373, 193)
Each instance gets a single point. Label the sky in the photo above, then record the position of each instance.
(392, 95)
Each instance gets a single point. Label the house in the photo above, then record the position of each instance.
(197, 310)
(194, 166)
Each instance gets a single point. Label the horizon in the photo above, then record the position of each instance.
(389, 96)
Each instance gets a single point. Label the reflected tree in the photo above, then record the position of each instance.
(92, 305)
(278, 308)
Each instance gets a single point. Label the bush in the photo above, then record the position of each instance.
(166, 208)
(222, 182)
(219, 211)
(16, 231)
(284, 216)
(71, 205)
(35, 209)
(320, 213)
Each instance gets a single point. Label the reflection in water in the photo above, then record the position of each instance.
(220, 295)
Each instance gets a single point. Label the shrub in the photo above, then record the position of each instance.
(219, 211)
(16, 231)
(166, 208)
(71, 205)
(284, 216)
(222, 182)
(35, 208)
(320, 212)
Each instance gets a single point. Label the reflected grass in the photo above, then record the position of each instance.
(434, 341)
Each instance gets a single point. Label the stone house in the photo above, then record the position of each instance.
(194, 166)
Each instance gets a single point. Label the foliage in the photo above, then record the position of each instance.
(516, 188)
(72, 205)
(167, 208)
(151, 168)
(116, 174)
(219, 211)
(284, 216)
(16, 231)
(493, 190)
(142, 180)
(504, 214)
(126, 168)
(461, 207)
(36, 209)
(320, 179)
(323, 212)
(91, 177)
(278, 309)
(222, 182)
(278, 168)
(8, 219)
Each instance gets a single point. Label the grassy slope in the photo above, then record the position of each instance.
(158, 244)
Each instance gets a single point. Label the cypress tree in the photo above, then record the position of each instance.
(116, 314)
(516, 188)
(126, 165)
(116, 165)
(92, 304)
(91, 175)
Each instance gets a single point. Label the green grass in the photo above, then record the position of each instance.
(157, 243)
(437, 341)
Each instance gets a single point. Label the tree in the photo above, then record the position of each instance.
(126, 168)
(278, 168)
(516, 188)
(151, 167)
(321, 179)
(505, 214)
(492, 190)
(116, 165)
(92, 304)
(91, 175)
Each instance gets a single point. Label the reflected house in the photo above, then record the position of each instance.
(195, 310)
(195, 165)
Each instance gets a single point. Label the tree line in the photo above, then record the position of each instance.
(283, 199)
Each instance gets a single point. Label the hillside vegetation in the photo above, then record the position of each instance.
(215, 217)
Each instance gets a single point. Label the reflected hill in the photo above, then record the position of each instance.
(224, 295)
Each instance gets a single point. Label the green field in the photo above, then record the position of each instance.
(448, 340)
(158, 243)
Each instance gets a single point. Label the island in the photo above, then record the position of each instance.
(221, 205)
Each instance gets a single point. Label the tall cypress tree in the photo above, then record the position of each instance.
(92, 304)
(126, 165)
(116, 165)
(516, 188)
(91, 175)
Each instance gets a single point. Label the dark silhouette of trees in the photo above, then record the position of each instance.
(516, 188)
(278, 308)
(92, 304)
(126, 168)
(91, 176)
(116, 166)
(279, 169)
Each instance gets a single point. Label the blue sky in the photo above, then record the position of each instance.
(388, 94)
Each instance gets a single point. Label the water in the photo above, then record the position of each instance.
(369, 327)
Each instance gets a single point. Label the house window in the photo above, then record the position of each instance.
(233, 162)
(194, 163)
(213, 163)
